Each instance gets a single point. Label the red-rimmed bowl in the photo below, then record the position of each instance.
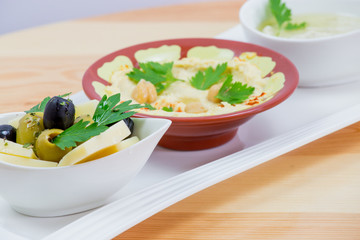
(195, 133)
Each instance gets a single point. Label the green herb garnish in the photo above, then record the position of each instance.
(282, 15)
(168, 109)
(205, 79)
(108, 111)
(79, 132)
(41, 106)
(234, 93)
(149, 106)
(27, 145)
(295, 26)
(158, 74)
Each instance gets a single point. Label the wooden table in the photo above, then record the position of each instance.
(310, 193)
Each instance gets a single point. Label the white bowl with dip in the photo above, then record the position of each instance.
(57, 191)
(321, 61)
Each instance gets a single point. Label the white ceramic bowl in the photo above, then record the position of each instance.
(59, 191)
(322, 61)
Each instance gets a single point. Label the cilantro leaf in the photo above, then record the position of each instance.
(234, 93)
(280, 11)
(204, 80)
(108, 111)
(41, 106)
(282, 14)
(79, 132)
(65, 95)
(295, 26)
(149, 106)
(27, 145)
(158, 74)
(168, 109)
(104, 107)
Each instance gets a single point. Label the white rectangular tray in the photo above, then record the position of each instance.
(170, 176)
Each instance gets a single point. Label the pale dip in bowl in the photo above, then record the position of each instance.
(323, 57)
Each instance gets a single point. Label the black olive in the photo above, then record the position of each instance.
(8, 132)
(59, 113)
(130, 123)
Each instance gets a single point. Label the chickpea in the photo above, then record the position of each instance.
(144, 92)
(195, 107)
(213, 91)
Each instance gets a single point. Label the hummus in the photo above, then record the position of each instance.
(248, 69)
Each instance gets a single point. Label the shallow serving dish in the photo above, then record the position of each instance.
(194, 133)
(321, 61)
(56, 191)
(170, 176)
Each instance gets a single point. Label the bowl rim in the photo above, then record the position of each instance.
(243, 22)
(289, 85)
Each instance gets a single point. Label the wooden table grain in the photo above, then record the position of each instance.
(312, 192)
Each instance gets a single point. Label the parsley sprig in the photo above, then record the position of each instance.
(205, 79)
(282, 15)
(108, 111)
(295, 26)
(234, 93)
(168, 109)
(41, 106)
(79, 132)
(158, 74)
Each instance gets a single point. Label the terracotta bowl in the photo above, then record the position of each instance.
(195, 133)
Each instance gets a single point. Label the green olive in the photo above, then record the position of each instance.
(46, 150)
(84, 117)
(30, 127)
